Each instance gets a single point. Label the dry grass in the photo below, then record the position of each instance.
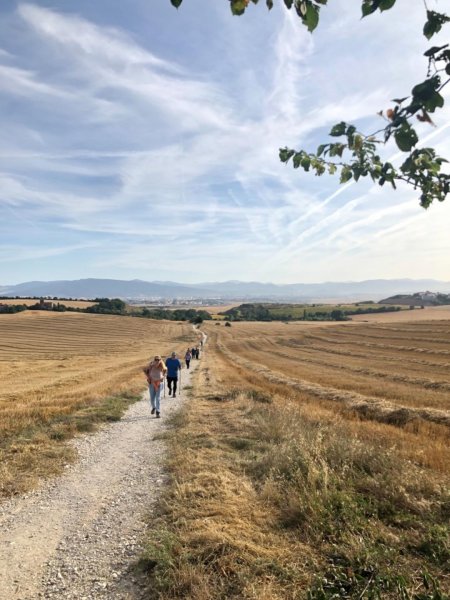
(429, 313)
(63, 372)
(280, 489)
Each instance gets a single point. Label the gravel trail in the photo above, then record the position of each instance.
(79, 535)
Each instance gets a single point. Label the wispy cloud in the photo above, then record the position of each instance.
(116, 143)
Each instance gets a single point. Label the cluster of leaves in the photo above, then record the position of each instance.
(307, 10)
(422, 167)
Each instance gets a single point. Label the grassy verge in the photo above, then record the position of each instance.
(35, 448)
(265, 501)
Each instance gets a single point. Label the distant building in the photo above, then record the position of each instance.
(45, 304)
(427, 295)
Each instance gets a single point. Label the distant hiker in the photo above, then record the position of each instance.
(197, 353)
(187, 358)
(155, 372)
(173, 365)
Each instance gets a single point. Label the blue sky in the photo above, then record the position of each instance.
(142, 142)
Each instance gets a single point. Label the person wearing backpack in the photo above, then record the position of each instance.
(173, 365)
(155, 372)
(187, 358)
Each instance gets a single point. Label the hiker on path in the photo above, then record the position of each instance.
(187, 358)
(155, 371)
(173, 365)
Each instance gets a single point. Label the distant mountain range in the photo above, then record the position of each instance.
(136, 289)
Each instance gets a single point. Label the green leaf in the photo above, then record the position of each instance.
(434, 50)
(176, 3)
(285, 154)
(434, 23)
(238, 7)
(289, 3)
(320, 149)
(338, 129)
(346, 174)
(425, 90)
(269, 4)
(305, 162)
(405, 137)
(311, 19)
(368, 7)
(386, 4)
(399, 100)
(337, 149)
(296, 161)
(436, 101)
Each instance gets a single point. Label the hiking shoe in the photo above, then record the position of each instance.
(174, 395)
(170, 392)
(152, 412)
(158, 415)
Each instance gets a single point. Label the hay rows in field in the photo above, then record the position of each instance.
(292, 343)
(424, 340)
(49, 335)
(417, 381)
(383, 346)
(399, 381)
(369, 407)
(418, 326)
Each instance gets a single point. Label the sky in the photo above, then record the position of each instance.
(140, 141)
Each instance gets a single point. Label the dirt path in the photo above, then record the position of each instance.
(79, 535)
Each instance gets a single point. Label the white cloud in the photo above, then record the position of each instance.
(126, 138)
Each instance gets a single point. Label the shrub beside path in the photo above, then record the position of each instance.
(79, 535)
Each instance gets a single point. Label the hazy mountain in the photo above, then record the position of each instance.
(371, 289)
(91, 288)
(108, 288)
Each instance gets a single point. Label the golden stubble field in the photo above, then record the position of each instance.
(386, 373)
(60, 372)
(314, 463)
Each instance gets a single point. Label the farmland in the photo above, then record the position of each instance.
(314, 463)
(62, 372)
(31, 301)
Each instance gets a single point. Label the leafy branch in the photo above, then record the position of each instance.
(422, 166)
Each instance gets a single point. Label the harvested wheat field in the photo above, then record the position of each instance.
(62, 372)
(313, 463)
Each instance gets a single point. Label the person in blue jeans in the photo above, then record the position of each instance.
(173, 365)
(155, 372)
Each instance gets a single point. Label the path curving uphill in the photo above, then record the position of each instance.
(78, 537)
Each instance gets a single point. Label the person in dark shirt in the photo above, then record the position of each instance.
(173, 365)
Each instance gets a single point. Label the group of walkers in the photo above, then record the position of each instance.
(157, 370)
(190, 354)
